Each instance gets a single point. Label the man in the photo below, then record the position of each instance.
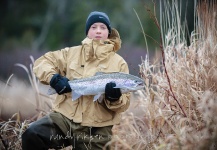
(82, 123)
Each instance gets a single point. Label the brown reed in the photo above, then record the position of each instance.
(179, 102)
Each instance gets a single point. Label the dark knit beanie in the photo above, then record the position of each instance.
(97, 16)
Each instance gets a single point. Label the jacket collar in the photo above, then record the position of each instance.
(100, 49)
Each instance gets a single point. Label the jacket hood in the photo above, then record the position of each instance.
(115, 38)
(101, 48)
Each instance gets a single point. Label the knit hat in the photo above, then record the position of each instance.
(97, 16)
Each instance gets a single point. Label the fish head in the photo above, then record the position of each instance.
(132, 84)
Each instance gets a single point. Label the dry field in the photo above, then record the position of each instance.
(176, 110)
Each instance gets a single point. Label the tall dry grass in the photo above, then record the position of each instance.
(179, 107)
(20, 104)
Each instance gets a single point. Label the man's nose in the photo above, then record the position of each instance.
(98, 30)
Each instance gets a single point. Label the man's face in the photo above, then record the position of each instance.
(98, 31)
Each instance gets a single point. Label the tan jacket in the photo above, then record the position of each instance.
(80, 62)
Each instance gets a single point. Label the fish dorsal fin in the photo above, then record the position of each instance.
(99, 73)
(102, 73)
(97, 97)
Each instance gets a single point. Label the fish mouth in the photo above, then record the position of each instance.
(139, 87)
(140, 83)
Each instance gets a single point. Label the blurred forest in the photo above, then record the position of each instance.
(30, 27)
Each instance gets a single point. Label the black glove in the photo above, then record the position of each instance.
(112, 94)
(60, 84)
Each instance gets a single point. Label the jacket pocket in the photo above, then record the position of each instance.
(59, 100)
(75, 71)
(70, 107)
(102, 114)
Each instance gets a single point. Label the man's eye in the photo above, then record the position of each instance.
(104, 28)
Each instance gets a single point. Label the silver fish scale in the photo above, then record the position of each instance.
(109, 76)
(92, 87)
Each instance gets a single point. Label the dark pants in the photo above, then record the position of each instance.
(56, 131)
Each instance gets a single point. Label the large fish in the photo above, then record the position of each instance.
(95, 85)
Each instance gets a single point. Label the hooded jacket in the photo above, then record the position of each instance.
(80, 62)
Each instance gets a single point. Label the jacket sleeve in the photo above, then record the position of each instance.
(49, 64)
(123, 103)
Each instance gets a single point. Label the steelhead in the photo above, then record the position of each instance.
(95, 85)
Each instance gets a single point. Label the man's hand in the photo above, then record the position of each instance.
(60, 84)
(112, 94)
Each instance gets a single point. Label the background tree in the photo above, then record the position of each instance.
(30, 27)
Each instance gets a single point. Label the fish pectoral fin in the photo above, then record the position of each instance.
(75, 96)
(96, 97)
(100, 99)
